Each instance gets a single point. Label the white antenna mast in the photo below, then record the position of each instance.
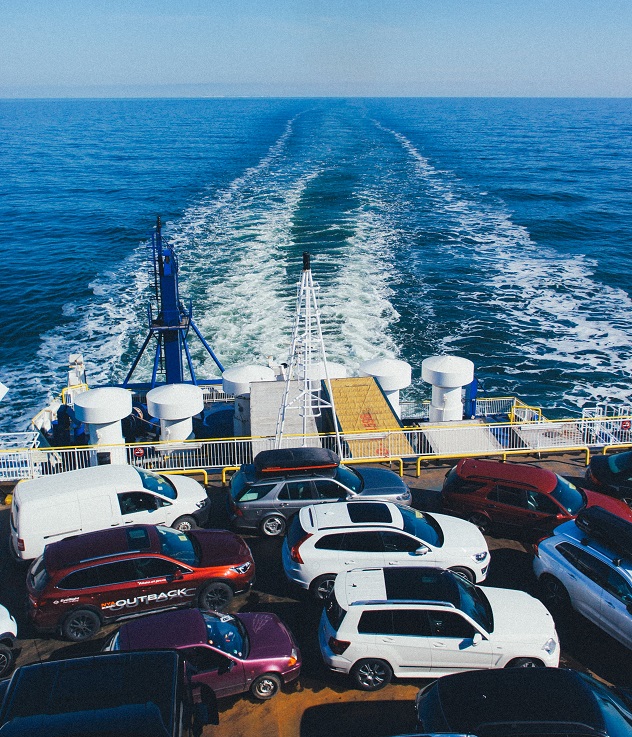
(307, 355)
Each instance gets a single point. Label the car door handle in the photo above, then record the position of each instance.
(611, 605)
(388, 639)
(438, 644)
(349, 562)
(570, 575)
(283, 504)
(393, 562)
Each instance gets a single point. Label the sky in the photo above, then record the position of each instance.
(280, 48)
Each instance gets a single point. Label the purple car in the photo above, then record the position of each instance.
(231, 653)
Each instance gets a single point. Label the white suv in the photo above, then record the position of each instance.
(587, 564)
(325, 539)
(421, 622)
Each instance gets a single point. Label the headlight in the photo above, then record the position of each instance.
(549, 646)
(480, 557)
(201, 503)
(242, 568)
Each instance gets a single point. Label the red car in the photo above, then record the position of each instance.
(518, 496)
(82, 582)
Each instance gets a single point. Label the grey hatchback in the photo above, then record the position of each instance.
(266, 493)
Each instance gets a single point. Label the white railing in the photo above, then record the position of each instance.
(429, 441)
(484, 408)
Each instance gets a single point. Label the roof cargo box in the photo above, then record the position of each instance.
(289, 460)
(610, 530)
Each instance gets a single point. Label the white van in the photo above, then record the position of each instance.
(50, 508)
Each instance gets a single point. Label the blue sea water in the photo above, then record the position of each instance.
(495, 229)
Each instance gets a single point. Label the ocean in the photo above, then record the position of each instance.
(494, 229)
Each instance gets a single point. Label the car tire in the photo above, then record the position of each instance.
(371, 674)
(7, 657)
(216, 596)
(273, 526)
(185, 523)
(525, 663)
(554, 594)
(466, 573)
(322, 586)
(265, 686)
(481, 520)
(80, 625)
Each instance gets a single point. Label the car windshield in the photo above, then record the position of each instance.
(422, 526)
(227, 633)
(620, 462)
(349, 478)
(568, 495)
(156, 483)
(178, 545)
(474, 603)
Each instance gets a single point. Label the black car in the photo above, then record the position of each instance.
(611, 474)
(524, 701)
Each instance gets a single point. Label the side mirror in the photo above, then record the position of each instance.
(178, 575)
(226, 667)
(422, 550)
(477, 639)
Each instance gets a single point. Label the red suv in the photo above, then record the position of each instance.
(82, 582)
(518, 496)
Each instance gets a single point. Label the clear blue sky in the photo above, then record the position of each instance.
(316, 47)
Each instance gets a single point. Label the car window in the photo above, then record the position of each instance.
(376, 623)
(508, 495)
(157, 483)
(395, 542)
(105, 574)
(620, 462)
(204, 659)
(350, 478)
(541, 503)
(85, 579)
(335, 613)
(363, 542)
(568, 495)
(131, 502)
(154, 567)
(328, 489)
(616, 585)
(330, 542)
(297, 491)
(178, 545)
(586, 564)
(411, 622)
(254, 493)
(450, 624)
(422, 525)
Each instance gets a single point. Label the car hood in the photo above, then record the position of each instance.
(220, 547)
(518, 617)
(269, 637)
(188, 490)
(458, 534)
(616, 506)
(379, 482)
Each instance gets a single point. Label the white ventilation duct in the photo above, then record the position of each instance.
(391, 374)
(102, 410)
(237, 380)
(448, 375)
(175, 405)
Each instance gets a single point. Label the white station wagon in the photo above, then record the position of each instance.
(324, 540)
(425, 622)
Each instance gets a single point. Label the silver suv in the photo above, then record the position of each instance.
(266, 493)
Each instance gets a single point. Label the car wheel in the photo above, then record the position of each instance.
(322, 586)
(264, 687)
(481, 520)
(215, 595)
(7, 656)
(371, 675)
(273, 526)
(81, 625)
(465, 573)
(554, 594)
(525, 663)
(185, 523)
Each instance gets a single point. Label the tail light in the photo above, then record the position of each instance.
(21, 545)
(536, 545)
(337, 647)
(294, 551)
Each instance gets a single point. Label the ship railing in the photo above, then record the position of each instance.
(403, 446)
(510, 407)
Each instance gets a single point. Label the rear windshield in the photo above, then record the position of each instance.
(454, 484)
(349, 478)
(568, 495)
(178, 545)
(620, 462)
(295, 532)
(156, 483)
(422, 526)
(335, 613)
(39, 574)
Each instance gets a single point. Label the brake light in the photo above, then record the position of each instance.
(536, 549)
(21, 545)
(337, 647)
(294, 552)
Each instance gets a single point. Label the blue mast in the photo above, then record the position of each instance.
(171, 326)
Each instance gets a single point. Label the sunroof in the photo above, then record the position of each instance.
(420, 584)
(369, 513)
